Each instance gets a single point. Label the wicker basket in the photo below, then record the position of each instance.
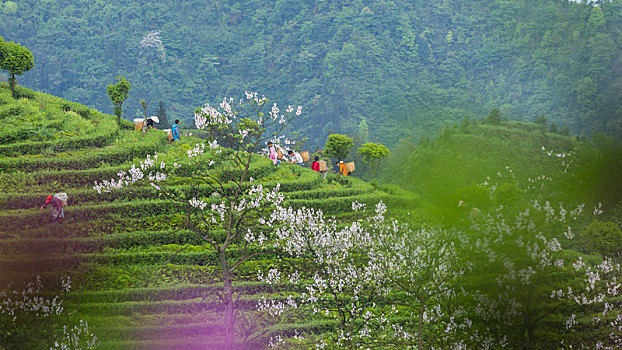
(138, 126)
(323, 166)
(279, 154)
(305, 156)
(350, 167)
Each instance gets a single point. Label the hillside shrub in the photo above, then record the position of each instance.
(507, 193)
(21, 92)
(473, 196)
(604, 237)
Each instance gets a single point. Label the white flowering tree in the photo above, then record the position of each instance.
(223, 205)
(334, 273)
(424, 268)
(599, 292)
(151, 47)
(30, 319)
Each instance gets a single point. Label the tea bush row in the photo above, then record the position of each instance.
(116, 155)
(106, 130)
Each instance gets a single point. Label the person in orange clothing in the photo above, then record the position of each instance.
(342, 168)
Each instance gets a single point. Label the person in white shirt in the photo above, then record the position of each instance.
(295, 157)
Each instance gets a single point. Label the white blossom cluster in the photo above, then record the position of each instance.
(209, 116)
(227, 113)
(78, 337)
(276, 307)
(565, 157)
(28, 301)
(148, 169)
(602, 287)
(339, 272)
(152, 40)
(196, 203)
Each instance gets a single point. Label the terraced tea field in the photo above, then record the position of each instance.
(140, 279)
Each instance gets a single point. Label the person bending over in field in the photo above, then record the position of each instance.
(57, 201)
(295, 157)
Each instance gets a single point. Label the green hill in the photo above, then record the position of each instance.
(406, 66)
(141, 279)
(466, 160)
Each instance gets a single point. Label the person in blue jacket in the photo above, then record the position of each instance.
(175, 130)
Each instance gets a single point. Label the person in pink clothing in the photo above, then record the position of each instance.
(272, 153)
(58, 215)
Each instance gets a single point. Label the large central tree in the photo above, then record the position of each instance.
(223, 205)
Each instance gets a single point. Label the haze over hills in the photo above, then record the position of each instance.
(406, 66)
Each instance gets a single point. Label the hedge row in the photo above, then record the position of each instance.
(185, 343)
(95, 244)
(170, 306)
(17, 185)
(18, 221)
(211, 341)
(204, 258)
(204, 329)
(210, 327)
(179, 292)
(72, 178)
(97, 227)
(115, 155)
(336, 205)
(61, 262)
(326, 192)
(107, 130)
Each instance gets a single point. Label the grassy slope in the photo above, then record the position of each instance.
(121, 248)
(452, 167)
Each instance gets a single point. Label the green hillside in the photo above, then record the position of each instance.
(512, 155)
(493, 207)
(406, 66)
(141, 279)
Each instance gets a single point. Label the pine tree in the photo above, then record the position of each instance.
(161, 113)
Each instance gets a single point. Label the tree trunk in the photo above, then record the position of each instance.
(420, 332)
(529, 338)
(229, 308)
(12, 81)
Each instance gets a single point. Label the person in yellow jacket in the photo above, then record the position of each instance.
(342, 168)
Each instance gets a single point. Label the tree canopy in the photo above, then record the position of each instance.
(338, 146)
(15, 59)
(374, 153)
(118, 94)
(407, 66)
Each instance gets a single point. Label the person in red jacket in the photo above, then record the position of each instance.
(316, 164)
(57, 208)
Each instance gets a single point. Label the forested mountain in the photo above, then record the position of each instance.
(406, 65)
